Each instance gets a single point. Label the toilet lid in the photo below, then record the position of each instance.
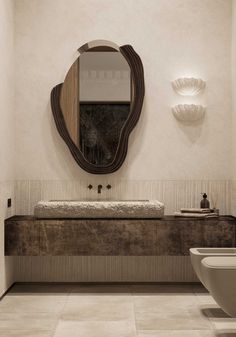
(220, 262)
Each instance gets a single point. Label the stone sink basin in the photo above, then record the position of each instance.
(56, 209)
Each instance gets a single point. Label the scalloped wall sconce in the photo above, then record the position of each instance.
(188, 112)
(188, 86)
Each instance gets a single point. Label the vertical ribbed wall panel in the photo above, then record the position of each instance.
(104, 269)
(175, 194)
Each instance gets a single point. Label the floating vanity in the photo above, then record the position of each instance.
(169, 236)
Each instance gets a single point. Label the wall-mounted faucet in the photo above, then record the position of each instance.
(99, 188)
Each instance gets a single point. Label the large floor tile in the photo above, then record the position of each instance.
(95, 329)
(98, 308)
(26, 333)
(223, 323)
(32, 303)
(77, 310)
(225, 333)
(27, 321)
(175, 320)
(206, 299)
(170, 302)
(176, 333)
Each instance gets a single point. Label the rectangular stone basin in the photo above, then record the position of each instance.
(121, 209)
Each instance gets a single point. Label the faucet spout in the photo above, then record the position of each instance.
(99, 188)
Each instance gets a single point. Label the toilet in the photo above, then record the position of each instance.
(219, 276)
(197, 254)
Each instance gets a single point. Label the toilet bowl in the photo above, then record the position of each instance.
(197, 254)
(219, 275)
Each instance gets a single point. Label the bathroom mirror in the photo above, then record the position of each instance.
(99, 103)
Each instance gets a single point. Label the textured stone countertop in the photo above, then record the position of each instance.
(99, 209)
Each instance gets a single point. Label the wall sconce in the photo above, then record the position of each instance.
(188, 112)
(188, 86)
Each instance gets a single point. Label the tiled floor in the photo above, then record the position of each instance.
(112, 311)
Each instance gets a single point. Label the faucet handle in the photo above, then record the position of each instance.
(108, 186)
(90, 186)
(99, 188)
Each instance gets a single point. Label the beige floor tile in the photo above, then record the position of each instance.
(98, 308)
(26, 333)
(176, 333)
(225, 333)
(177, 320)
(164, 303)
(223, 323)
(170, 311)
(206, 299)
(95, 329)
(32, 303)
(27, 321)
(33, 310)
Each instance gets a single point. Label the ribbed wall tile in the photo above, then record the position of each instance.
(233, 197)
(104, 269)
(175, 194)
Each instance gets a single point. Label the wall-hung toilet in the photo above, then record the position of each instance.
(197, 254)
(219, 275)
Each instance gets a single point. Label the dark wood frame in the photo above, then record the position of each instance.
(137, 75)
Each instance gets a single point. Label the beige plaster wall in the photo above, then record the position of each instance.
(233, 200)
(6, 130)
(7, 124)
(174, 39)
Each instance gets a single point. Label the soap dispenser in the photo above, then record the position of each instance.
(204, 202)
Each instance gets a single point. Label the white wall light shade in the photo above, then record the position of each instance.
(188, 112)
(188, 86)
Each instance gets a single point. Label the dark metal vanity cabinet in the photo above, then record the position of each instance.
(29, 236)
(22, 236)
(96, 237)
(175, 235)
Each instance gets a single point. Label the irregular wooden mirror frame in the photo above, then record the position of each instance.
(137, 76)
